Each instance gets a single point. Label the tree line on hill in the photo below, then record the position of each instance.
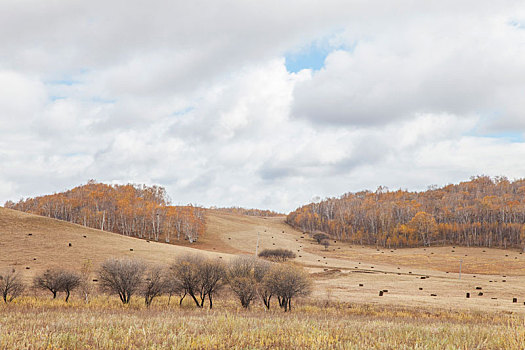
(248, 212)
(193, 276)
(132, 210)
(484, 211)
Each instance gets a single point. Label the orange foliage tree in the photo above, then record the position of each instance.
(132, 210)
(481, 212)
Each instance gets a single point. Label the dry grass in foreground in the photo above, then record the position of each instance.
(38, 323)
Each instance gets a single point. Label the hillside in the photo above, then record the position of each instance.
(338, 270)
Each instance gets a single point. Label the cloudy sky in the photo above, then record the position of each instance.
(255, 103)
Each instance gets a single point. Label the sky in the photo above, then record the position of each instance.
(259, 103)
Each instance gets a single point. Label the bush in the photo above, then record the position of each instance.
(319, 237)
(277, 254)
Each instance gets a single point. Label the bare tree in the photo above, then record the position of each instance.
(154, 285)
(86, 285)
(198, 277)
(49, 280)
(240, 275)
(11, 285)
(68, 281)
(122, 277)
(286, 282)
(245, 275)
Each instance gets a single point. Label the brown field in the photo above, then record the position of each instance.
(338, 271)
(340, 314)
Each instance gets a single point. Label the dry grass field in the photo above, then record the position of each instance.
(424, 306)
(37, 243)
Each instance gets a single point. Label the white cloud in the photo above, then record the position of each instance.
(195, 96)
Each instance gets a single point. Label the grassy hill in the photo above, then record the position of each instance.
(342, 271)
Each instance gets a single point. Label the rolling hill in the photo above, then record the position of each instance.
(342, 271)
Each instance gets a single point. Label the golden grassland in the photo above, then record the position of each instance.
(42, 323)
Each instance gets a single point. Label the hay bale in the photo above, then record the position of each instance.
(130, 249)
(514, 300)
(420, 288)
(69, 244)
(361, 284)
(478, 288)
(385, 290)
(29, 234)
(380, 293)
(433, 295)
(480, 294)
(423, 277)
(468, 295)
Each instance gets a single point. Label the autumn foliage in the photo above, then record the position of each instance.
(480, 212)
(132, 210)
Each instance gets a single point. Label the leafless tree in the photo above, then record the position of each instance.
(68, 281)
(50, 280)
(11, 285)
(86, 284)
(154, 285)
(286, 282)
(245, 275)
(122, 277)
(198, 277)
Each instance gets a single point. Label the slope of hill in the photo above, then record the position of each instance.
(342, 271)
(37, 243)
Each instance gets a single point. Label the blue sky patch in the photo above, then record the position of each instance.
(312, 57)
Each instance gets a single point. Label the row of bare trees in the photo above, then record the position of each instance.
(194, 276)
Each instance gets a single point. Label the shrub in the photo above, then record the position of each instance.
(277, 254)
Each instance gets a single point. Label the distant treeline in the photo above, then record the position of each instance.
(249, 212)
(132, 210)
(481, 212)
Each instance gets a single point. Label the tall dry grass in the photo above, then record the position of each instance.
(41, 323)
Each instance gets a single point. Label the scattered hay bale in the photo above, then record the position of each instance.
(494, 298)
(385, 290)
(468, 295)
(302, 236)
(84, 236)
(371, 267)
(380, 293)
(34, 259)
(95, 280)
(514, 300)
(29, 234)
(361, 284)
(130, 249)
(27, 267)
(453, 251)
(420, 288)
(503, 280)
(423, 277)
(69, 244)
(410, 272)
(480, 294)
(478, 288)
(433, 295)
